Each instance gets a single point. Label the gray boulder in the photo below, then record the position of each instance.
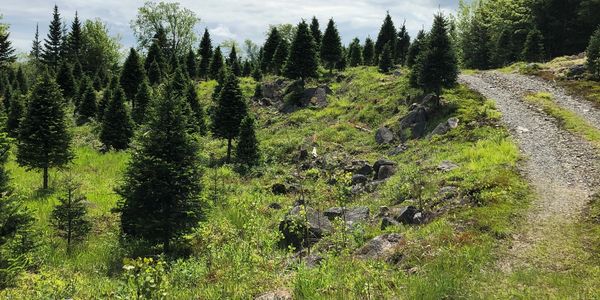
(405, 214)
(359, 179)
(301, 229)
(276, 295)
(380, 247)
(384, 136)
(447, 166)
(382, 162)
(388, 222)
(415, 122)
(353, 214)
(445, 127)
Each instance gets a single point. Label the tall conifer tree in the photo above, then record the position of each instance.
(269, 49)
(402, 45)
(206, 54)
(387, 33)
(216, 63)
(331, 46)
(302, 62)
(132, 75)
(316, 32)
(368, 52)
(117, 127)
(247, 150)
(51, 54)
(231, 109)
(280, 57)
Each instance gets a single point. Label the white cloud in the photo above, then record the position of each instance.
(228, 19)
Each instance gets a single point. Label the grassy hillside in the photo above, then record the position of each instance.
(235, 252)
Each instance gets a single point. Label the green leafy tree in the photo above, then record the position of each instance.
(88, 106)
(533, 50)
(280, 57)
(355, 53)
(51, 53)
(331, 46)
(368, 52)
(385, 60)
(143, 99)
(247, 150)
(101, 51)
(302, 62)
(229, 112)
(66, 81)
(387, 33)
(205, 52)
(117, 127)
(177, 22)
(436, 65)
(269, 49)
(15, 224)
(415, 49)
(132, 75)
(402, 45)
(234, 63)
(316, 31)
(44, 139)
(160, 197)
(69, 217)
(216, 63)
(593, 55)
(190, 63)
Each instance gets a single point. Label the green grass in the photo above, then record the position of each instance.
(566, 119)
(235, 253)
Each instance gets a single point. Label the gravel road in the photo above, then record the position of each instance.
(562, 168)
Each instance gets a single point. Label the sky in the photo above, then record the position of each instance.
(226, 19)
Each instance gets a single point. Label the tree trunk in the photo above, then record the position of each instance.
(228, 150)
(45, 185)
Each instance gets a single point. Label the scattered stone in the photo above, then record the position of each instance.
(382, 162)
(384, 136)
(359, 179)
(430, 100)
(380, 247)
(385, 172)
(406, 215)
(303, 226)
(415, 121)
(445, 127)
(303, 154)
(365, 169)
(279, 189)
(576, 71)
(447, 166)
(388, 222)
(353, 214)
(276, 295)
(398, 149)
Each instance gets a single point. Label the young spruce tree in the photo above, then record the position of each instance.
(44, 140)
(385, 60)
(593, 55)
(231, 109)
(143, 99)
(15, 113)
(117, 127)
(205, 52)
(302, 62)
(415, 49)
(387, 34)
(88, 105)
(316, 32)
(160, 197)
(247, 150)
(269, 50)
(533, 50)
(69, 217)
(331, 46)
(132, 75)
(368, 52)
(190, 63)
(216, 63)
(51, 53)
(281, 55)
(66, 81)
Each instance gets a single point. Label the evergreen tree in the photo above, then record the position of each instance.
(269, 49)
(143, 99)
(206, 53)
(331, 46)
(51, 54)
(257, 74)
(36, 48)
(247, 150)
(234, 63)
(22, 80)
(501, 53)
(385, 60)
(302, 62)
(368, 52)
(154, 74)
(69, 217)
(15, 224)
(190, 63)
(7, 98)
(247, 68)
(154, 55)
(75, 39)
(44, 138)
(280, 57)
(355, 53)
(402, 45)
(533, 50)
(229, 112)
(160, 37)
(476, 48)
(216, 63)
(160, 197)
(415, 49)
(66, 81)
(593, 55)
(436, 65)
(15, 113)
(387, 33)
(7, 52)
(342, 64)
(316, 32)
(197, 118)
(88, 105)
(78, 70)
(117, 127)
(131, 75)
(104, 102)
(258, 91)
